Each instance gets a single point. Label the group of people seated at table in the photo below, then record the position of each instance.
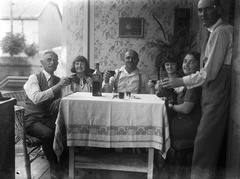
(45, 90)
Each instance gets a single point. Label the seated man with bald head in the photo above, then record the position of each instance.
(128, 78)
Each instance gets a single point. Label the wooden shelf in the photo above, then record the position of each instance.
(112, 161)
(129, 162)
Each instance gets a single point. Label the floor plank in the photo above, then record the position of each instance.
(38, 167)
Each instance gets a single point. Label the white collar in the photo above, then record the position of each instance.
(47, 75)
(136, 71)
(211, 29)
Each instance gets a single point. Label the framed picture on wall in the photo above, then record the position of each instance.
(131, 27)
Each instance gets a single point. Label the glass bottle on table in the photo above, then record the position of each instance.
(97, 81)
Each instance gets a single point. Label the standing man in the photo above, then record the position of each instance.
(43, 97)
(215, 78)
(128, 78)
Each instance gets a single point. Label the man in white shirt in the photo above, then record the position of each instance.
(43, 97)
(215, 78)
(128, 78)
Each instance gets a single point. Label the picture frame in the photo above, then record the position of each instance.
(131, 27)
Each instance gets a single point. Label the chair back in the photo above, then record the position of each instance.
(20, 133)
(19, 122)
(20, 96)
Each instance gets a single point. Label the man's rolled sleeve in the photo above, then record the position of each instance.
(196, 79)
(34, 92)
(187, 80)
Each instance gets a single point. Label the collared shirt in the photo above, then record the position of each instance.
(218, 52)
(128, 82)
(34, 92)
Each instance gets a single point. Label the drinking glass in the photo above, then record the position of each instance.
(121, 95)
(112, 72)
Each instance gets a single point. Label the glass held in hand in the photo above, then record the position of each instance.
(158, 86)
(64, 81)
(166, 83)
(111, 72)
(153, 81)
(108, 74)
(151, 84)
(162, 81)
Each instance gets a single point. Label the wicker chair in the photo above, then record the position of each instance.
(29, 142)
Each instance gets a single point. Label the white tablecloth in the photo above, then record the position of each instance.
(85, 120)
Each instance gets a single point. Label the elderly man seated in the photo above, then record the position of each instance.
(43, 97)
(128, 78)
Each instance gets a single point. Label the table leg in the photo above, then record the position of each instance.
(71, 162)
(150, 163)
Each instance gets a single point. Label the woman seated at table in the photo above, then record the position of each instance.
(184, 125)
(171, 67)
(81, 81)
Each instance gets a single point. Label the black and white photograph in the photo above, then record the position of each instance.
(119, 89)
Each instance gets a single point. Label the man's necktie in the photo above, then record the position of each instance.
(205, 41)
(203, 61)
(50, 82)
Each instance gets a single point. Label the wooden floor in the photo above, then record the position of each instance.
(40, 170)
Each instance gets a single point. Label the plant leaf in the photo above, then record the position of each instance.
(160, 26)
(192, 37)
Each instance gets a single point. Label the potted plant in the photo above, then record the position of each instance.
(173, 45)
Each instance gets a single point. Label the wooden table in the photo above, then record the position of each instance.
(107, 122)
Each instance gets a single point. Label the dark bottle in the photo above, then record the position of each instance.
(97, 81)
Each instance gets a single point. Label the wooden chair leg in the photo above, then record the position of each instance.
(27, 160)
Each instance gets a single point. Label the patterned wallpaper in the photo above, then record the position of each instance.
(75, 27)
(108, 48)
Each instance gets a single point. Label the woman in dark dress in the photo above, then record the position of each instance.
(188, 107)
